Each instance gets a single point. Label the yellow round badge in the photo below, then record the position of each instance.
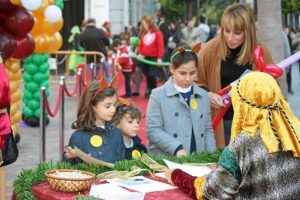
(194, 104)
(96, 141)
(136, 154)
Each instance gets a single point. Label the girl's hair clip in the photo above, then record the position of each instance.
(103, 84)
(125, 101)
(194, 50)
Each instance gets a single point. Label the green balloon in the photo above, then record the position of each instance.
(33, 104)
(38, 77)
(32, 86)
(135, 41)
(37, 113)
(36, 96)
(28, 112)
(27, 77)
(45, 83)
(38, 59)
(31, 68)
(46, 76)
(28, 60)
(45, 57)
(28, 95)
(44, 67)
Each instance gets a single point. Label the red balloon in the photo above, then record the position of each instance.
(258, 57)
(273, 70)
(19, 22)
(6, 5)
(7, 44)
(25, 47)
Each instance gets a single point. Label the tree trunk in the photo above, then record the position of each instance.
(270, 32)
(189, 9)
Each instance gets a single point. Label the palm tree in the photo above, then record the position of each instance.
(270, 32)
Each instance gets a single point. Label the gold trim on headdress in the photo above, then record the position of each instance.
(259, 104)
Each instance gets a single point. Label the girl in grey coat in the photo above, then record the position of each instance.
(178, 114)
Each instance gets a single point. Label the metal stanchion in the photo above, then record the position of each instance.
(42, 124)
(80, 82)
(62, 119)
(91, 71)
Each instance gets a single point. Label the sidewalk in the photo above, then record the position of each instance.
(29, 143)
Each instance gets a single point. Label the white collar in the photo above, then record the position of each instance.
(183, 90)
(130, 145)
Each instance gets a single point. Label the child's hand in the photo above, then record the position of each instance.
(70, 153)
(181, 153)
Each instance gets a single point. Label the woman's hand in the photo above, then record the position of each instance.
(215, 100)
(181, 153)
(168, 174)
(159, 62)
(70, 153)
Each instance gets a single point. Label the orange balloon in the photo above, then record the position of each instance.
(42, 8)
(55, 41)
(51, 2)
(38, 24)
(52, 28)
(41, 43)
(16, 2)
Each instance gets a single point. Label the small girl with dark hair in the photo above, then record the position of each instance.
(127, 119)
(95, 135)
(178, 113)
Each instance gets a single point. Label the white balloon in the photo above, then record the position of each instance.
(31, 4)
(53, 13)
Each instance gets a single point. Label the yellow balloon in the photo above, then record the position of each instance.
(13, 109)
(58, 41)
(16, 117)
(13, 65)
(52, 28)
(16, 97)
(14, 86)
(51, 2)
(16, 76)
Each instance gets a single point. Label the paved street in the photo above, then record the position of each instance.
(29, 144)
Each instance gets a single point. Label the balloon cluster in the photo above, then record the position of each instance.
(36, 74)
(15, 24)
(48, 21)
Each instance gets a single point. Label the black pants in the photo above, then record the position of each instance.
(289, 78)
(150, 71)
(127, 83)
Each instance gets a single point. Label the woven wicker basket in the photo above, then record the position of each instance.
(69, 184)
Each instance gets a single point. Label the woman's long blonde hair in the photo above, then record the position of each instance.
(240, 18)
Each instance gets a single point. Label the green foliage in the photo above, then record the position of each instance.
(172, 9)
(29, 177)
(290, 6)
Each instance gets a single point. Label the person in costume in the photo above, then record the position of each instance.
(224, 59)
(5, 97)
(127, 118)
(178, 113)
(95, 135)
(262, 161)
(151, 47)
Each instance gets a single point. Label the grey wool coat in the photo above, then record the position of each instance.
(170, 120)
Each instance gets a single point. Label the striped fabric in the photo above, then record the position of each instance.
(263, 175)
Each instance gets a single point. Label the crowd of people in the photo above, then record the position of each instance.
(259, 132)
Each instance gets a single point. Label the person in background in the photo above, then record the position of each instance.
(94, 39)
(223, 60)
(178, 118)
(151, 47)
(127, 119)
(123, 58)
(262, 160)
(95, 135)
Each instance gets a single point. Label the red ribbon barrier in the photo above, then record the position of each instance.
(52, 114)
(75, 92)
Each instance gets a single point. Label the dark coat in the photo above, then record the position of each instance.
(137, 145)
(111, 150)
(93, 39)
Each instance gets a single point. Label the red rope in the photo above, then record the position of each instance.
(52, 114)
(74, 93)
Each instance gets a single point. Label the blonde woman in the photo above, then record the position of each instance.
(223, 59)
